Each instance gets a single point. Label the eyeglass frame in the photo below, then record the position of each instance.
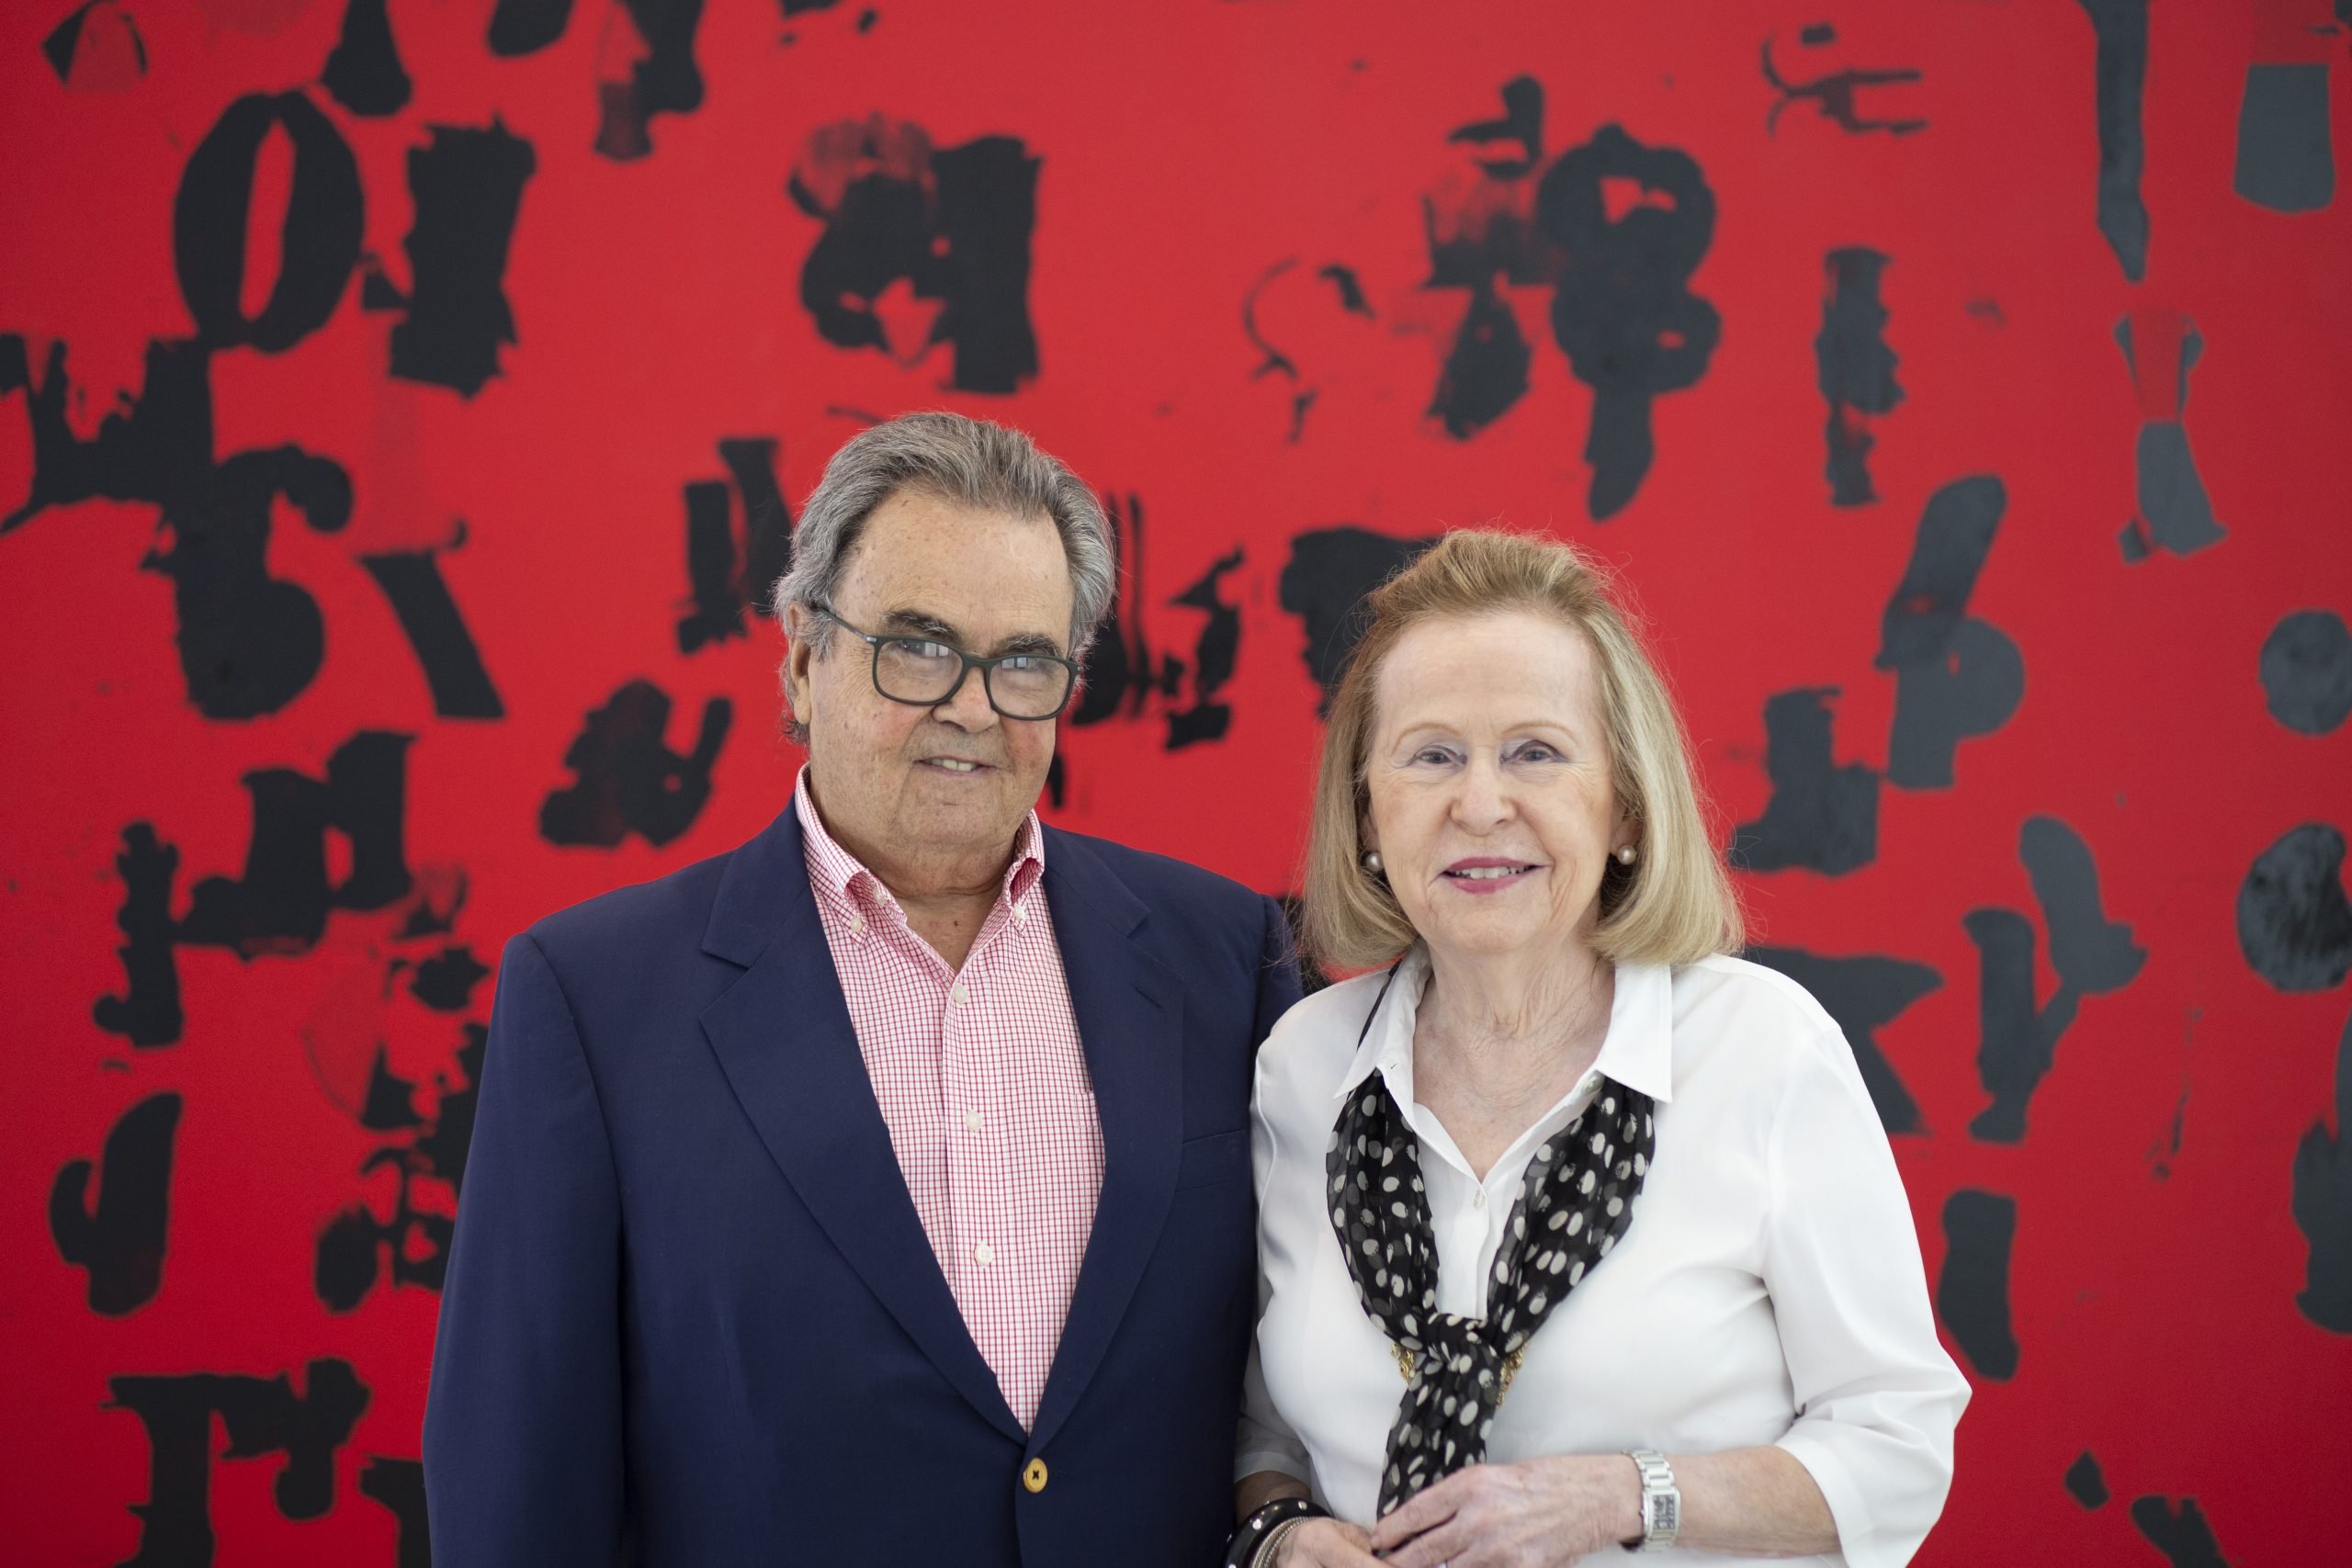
(986, 666)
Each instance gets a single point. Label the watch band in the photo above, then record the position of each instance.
(1661, 1503)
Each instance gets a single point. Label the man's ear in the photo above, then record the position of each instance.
(800, 630)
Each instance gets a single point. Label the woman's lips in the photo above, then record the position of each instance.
(1485, 876)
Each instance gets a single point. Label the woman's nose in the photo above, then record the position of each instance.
(1482, 799)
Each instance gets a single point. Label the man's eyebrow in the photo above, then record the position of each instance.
(1027, 642)
(920, 623)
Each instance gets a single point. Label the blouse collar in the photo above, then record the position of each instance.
(1638, 1050)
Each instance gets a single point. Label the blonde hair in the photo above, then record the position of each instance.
(1674, 905)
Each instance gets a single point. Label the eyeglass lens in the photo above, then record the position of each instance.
(912, 669)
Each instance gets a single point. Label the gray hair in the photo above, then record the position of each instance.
(972, 462)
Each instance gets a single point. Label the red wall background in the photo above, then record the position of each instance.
(362, 365)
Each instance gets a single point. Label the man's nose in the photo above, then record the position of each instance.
(967, 708)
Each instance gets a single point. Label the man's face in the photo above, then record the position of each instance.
(931, 791)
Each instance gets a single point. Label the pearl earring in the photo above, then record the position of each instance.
(1625, 853)
(1372, 861)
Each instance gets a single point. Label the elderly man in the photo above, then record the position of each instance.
(877, 1192)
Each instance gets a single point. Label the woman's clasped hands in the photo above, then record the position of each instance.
(1534, 1514)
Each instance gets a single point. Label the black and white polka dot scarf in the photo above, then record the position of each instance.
(1574, 1204)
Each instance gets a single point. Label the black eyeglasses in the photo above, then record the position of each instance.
(923, 671)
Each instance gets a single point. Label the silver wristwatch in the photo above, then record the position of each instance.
(1661, 1504)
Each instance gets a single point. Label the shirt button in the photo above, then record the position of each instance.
(956, 992)
(972, 1124)
(985, 1254)
(1032, 1475)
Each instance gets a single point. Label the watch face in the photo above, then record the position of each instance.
(1669, 1515)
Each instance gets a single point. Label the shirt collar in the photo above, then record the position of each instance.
(836, 871)
(1638, 1050)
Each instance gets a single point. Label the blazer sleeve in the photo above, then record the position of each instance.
(1278, 987)
(522, 1420)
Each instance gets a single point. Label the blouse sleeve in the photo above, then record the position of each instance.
(1877, 1397)
(1265, 1440)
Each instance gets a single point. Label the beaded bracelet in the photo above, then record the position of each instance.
(1242, 1551)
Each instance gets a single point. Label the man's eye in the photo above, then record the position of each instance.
(929, 649)
(1020, 664)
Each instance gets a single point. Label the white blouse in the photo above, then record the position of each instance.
(1769, 1291)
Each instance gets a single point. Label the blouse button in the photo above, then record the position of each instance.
(1479, 1201)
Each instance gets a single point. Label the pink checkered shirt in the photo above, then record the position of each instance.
(984, 1088)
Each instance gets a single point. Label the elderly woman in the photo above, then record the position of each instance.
(1575, 1231)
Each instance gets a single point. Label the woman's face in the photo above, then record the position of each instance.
(1488, 773)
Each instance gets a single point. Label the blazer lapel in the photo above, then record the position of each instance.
(1131, 1024)
(782, 1035)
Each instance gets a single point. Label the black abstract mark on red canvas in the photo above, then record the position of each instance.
(525, 27)
(2306, 671)
(1272, 361)
(96, 48)
(1838, 94)
(1822, 816)
(122, 1241)
(446, 981)
(2091, 954)
(626, 777)
(364, 72)
(663, 80)
(445, 650)
(1486, 243)
(399, 1485)
(356, 1247)
(739, 543)
(1123, 676)
(2174, 513)
(1324, 583)
(2122, 27)
(1973, 1291)
(953, 224)
(2322, 1205)
(319, 241)
(262, 1416)
(1630, 224)
(249, 643)
(468, 189)
(1855, 369)
(1956, 677)
(280, 903)
(1864, 993)
(2085, 1482)
(1215, 654)
(148, 1012)
(2294, 922)
(2285, 162)
(2178, 1531)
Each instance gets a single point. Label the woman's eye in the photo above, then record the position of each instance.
(1435, 755)
(1535, 751)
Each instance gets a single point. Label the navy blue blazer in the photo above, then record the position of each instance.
(692, 1319)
